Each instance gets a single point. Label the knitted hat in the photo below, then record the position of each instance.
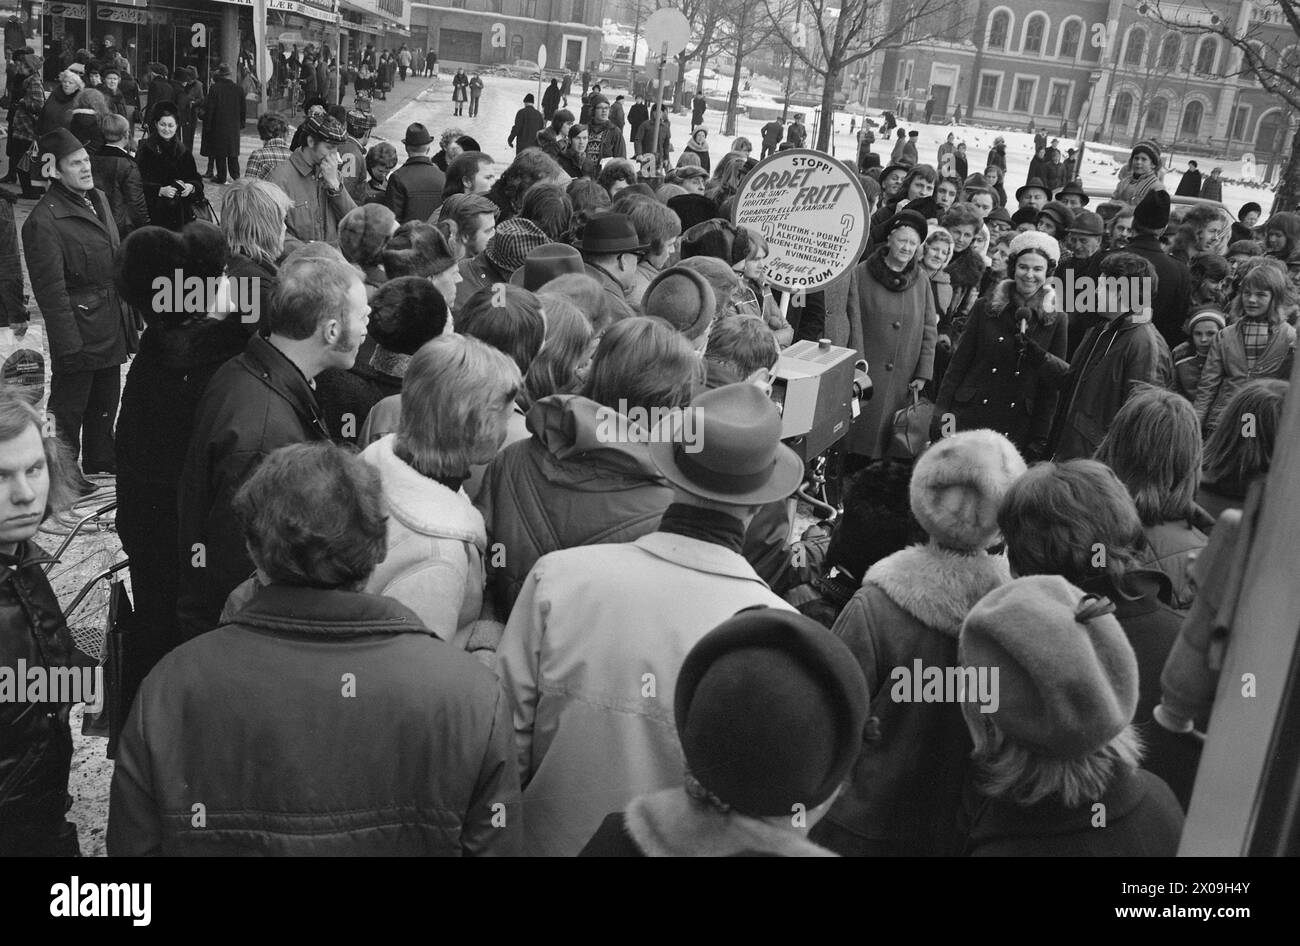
(958, 485)
(1087, 223)
(909, 218)
(770, 708)
(1150, 148)
(325, 128)
(1208, 314)
(1067, 675)
(528, 99)
(683, 298)
(364, 231)
(359, 123)
(512, 243)
(1152, 213)
(1059, 214)
(1038, 242)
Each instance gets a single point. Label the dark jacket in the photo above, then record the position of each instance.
(160, 90)
(1114, 358)
(118, 176)
(988, 382)
(162, 164)
(56, 113)
(223, 119)
(346, 397)
(13, 307)
(415, 189)
(637, 114)
(439, 775)
(1190, 185)
(642, 141)
(239, 265)
(550, 100)
(523, 134)
(35, 739)
(1173, 287)
(256, 402)
(69, 250)
(1142, 820)
(190, 100)
(1212, 189)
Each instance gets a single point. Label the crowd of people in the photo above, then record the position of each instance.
(468, 471)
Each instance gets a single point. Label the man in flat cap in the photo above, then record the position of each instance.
(311, 179)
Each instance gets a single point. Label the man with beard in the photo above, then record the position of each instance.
(256, 402)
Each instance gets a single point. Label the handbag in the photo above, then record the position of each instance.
(23, 356)
(203, 210)
(911, 429)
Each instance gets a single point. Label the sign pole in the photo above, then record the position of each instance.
(659, 112)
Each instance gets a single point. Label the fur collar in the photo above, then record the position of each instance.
(1043, 303)
(671, 824)
(936, 586)
(966, 268)
(881, 273)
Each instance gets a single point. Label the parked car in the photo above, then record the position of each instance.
(1101, 202)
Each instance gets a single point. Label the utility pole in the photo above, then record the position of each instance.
(789, 76)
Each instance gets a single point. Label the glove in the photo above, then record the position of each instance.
(1035, 354)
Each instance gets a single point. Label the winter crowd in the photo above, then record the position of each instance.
(412, 576)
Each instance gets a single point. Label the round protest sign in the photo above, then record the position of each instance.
(812, 211)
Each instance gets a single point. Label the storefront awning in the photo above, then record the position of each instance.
(323, 10)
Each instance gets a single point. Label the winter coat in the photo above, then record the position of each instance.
(189, 100)
(1173, 289)
(1142, 607)
(570, 163)
(239, 265)
(672, 824)
(29, 106)
(1114, 358)
(268, 682)
(909, 154)
(162, 164)
(965, 272)
(550, 100)
(1142, 820)
(255, 402)
(346, 397)
(1188, 368)
(898, 328)
(35, 738)
(415, 189)
(1190, 185)
(523, 134)
(771, 133)
(315, 214)
(1226, 369)
(118, 176)
(436, 545)
(1171, 547)
(70, 252)
(566, 487)
(905, 792)
(988, 382)
(643, 142)
(56, 113)
(587, 621)
(997, 158)
(604, 140)
(700, 152)
(13, 305)
(1212, 189)
(476, 273)
(459, 87)
(223, 119)
(1130, 189)
(160, 90)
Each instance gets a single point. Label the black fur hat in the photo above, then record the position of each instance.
(144, 256)
(405, 313)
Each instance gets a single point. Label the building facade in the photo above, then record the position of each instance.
(487, 32)
(1108, 65)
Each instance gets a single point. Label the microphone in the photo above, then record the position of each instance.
(1024, 314)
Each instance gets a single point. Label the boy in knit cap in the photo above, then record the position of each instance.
(1060, 741)
(742, 690)
(1190, 356)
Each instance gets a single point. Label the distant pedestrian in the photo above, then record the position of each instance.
(698, 106)
(929, 109)
(528, 122)
(475, 91)
(550, 100)
(460, 91)
(223, 121)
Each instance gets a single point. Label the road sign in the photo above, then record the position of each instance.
(812, 211)
(669, 28)
(541, 57)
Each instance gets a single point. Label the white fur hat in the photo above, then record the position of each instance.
(1039, 242)
(958, 485)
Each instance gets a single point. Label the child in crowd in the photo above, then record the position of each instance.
(1189, 357)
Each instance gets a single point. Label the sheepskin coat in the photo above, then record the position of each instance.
(905, 792)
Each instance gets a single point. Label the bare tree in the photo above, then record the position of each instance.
(742, 31)
(1260, 47)
(828, 36)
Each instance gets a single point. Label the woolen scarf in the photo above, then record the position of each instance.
(893, 281)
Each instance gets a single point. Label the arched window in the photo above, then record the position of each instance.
(1192, 116)
(1206, 55)
(1169, 52)
(1156, 116)
(1070, 35)
(1123, 109)
(1137, 45)
(999, 30)
(1034, 30)
(516, 47)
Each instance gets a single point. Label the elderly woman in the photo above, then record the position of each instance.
(1258, 343)
(172, 185)
(935, 254)
(894, 324)
(1058, 746)
(585, 476)
(987, 383)
(278, 683)
(905, 793)
(1077, 520)
(1234, 461)
(252, 220)
(458, 395)
(59, 105)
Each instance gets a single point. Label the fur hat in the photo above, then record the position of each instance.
(683, 298)
(1152, 213)
(405, 313)
(1039, 242)
(1067, 675)
(364, 232)
(1150, 148)
(718, 238)
(958, 485)
(1024, 215)
(692, 209)
(744, 688)
(145, 255)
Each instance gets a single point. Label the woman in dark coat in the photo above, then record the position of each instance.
(172, 185)
(987, 383)
(223, 121)
(460, 91)
(57, 112)
(894, 325)
(550, 100)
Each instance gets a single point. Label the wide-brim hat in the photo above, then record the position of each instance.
(1032, 184)
(417, 135)
(221, 72)
(546, 263)
(1075, 188)
(609, 234)
(736, 456)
